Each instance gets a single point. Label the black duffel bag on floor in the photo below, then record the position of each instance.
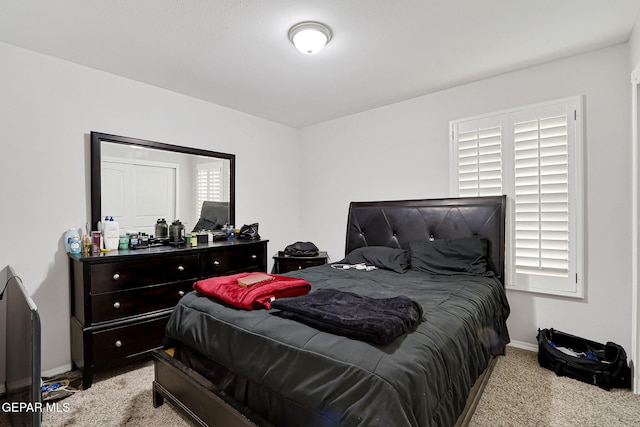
(604, 365)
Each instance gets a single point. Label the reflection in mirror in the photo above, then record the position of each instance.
(138, 182)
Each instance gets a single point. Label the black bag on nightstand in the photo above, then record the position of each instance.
(301, 249)
(604, 365)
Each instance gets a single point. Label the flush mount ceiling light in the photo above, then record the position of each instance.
(309, 37)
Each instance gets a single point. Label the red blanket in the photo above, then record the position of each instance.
(257, 296)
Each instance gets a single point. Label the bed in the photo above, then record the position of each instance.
(237, 367)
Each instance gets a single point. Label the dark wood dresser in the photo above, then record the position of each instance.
(121, 301)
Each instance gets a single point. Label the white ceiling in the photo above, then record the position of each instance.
(236, 53)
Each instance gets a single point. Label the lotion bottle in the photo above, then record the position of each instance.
(72, 241)
(111, 233)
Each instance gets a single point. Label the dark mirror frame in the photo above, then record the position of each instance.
(96, 182)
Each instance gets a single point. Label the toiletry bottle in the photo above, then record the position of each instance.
(111, 233)
(123, 242)
(101, 225)
(72, 241)
(96, 242)
(86, 245)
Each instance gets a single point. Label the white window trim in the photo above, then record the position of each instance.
(576, 194)
(635, 224)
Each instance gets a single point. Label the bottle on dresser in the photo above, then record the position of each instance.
(111, 234)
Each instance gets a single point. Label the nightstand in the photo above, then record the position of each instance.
(283, 263)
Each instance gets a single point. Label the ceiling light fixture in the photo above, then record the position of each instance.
(309, 37)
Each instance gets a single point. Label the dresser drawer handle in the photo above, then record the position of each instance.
(180, 268)
(116, 305)
(118, 343)
(216, 262)
(181, 293)
(116, 276)
(254, 256)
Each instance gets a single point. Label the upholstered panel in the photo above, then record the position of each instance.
(396, 223)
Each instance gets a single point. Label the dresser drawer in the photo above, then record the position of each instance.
(121, 304)
(236, 259)
(116, 344)
(283, 263)
(109, 277)
(286, 265)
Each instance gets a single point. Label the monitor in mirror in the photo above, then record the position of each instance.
(137, 182)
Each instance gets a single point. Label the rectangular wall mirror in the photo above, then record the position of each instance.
(137, 182)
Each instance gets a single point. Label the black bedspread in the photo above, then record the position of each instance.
(422, 378)
(375, 320)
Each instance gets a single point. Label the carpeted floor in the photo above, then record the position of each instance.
(519, 393)
(117, 398)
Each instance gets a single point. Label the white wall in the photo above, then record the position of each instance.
(4, 276)
(634, 45)
(402, 151)
(47, 109)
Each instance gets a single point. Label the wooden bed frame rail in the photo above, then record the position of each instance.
(207, 405)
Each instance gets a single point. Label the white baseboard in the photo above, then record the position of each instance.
(47, 373)
(523, 345)
(56, 371)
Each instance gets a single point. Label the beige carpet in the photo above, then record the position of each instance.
(519, 393)
(118, 400)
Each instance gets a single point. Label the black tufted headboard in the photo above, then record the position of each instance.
(396, 223)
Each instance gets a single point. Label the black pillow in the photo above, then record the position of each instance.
(450, 256)
(398, 260)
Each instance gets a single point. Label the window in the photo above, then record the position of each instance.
(209, 184)
(534, 156)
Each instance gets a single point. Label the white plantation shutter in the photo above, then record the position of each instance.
(208, 185)
(542, 196)
(540, 170)
(480, 162)
(478, 157)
